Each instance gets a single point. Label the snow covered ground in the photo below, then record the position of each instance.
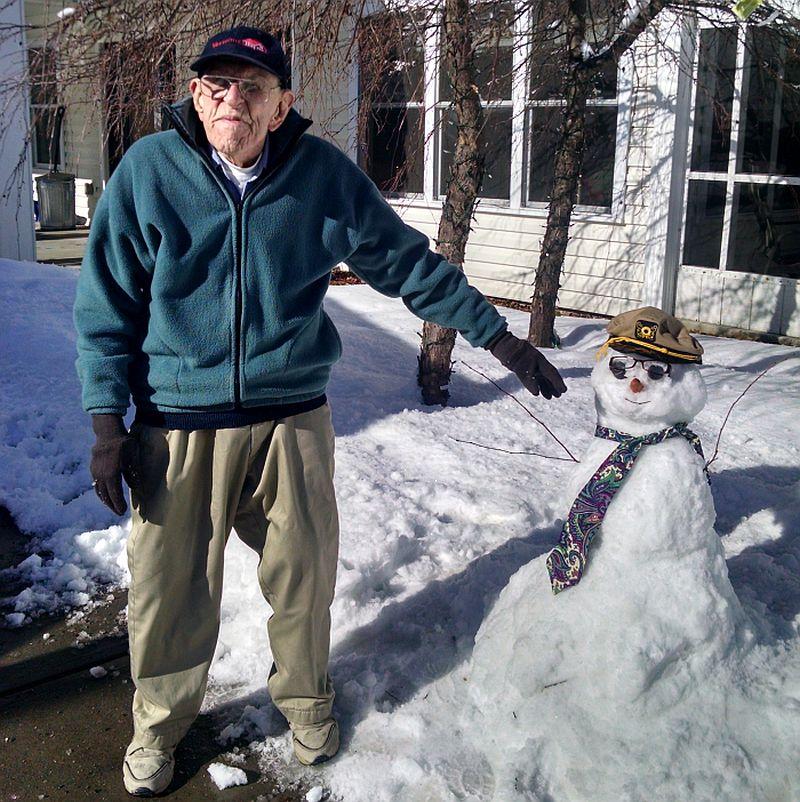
(433, 529)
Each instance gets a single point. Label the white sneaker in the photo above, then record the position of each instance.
(147, 772)
(315, 743)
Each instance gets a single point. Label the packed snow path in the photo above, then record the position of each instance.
(432, 531)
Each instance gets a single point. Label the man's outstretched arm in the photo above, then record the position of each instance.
(396, 260)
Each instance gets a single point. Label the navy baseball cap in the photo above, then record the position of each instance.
(242, 43)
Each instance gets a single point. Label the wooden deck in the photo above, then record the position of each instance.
(61, 247)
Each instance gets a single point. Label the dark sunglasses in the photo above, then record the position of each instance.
(619, 365)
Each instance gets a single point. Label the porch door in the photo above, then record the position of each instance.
(740, 262)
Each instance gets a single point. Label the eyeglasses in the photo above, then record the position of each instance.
(619, 365)
(217, 86)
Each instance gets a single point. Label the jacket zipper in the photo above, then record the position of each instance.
(237, 335)
(239, 310)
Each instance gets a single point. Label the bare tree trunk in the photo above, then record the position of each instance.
(434, 362)
(569, 156)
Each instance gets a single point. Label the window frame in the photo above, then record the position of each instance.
(520, 104)
(731, 177)
(419, 106)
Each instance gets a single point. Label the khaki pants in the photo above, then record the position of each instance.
(272, 482)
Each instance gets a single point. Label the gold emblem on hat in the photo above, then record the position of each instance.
(645, 330)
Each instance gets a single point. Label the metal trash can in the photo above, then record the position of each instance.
(56, 193)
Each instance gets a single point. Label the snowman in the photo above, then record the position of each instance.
(632, 609)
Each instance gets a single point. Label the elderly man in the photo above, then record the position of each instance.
(201, 297)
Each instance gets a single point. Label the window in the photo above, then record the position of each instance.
(391, 107)
(743, 195)
(44, 104)
(493, 66)
(544, 114)
(522, 115)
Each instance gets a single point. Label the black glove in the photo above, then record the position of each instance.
(115, 454)
(533, 370)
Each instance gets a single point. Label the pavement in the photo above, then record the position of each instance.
(63, 730)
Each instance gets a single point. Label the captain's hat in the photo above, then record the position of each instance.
(653, 333)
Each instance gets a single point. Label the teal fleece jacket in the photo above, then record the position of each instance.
(191, 299)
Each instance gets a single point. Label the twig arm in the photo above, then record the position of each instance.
(738, 399)
(517, 401)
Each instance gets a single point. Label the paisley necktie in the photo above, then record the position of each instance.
(567, 561)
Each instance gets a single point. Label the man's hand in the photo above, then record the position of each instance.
(533, 370)
(115, 454)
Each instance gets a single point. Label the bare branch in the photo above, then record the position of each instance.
(632, 25)
(507, 451)
(519, 403)
(738, 399)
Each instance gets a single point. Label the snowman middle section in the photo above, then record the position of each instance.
(656, 586)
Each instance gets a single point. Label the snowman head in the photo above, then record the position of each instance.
(639, 394)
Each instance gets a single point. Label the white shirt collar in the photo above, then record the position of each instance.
(241, 176)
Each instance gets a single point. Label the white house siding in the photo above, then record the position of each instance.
(83, 148)
(602, 270)
(327, 92)
(728, 299)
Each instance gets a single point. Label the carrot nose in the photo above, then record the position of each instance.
(636, 386)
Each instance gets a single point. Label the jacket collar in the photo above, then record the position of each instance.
(282, 141)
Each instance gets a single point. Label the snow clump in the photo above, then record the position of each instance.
(226, 776)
